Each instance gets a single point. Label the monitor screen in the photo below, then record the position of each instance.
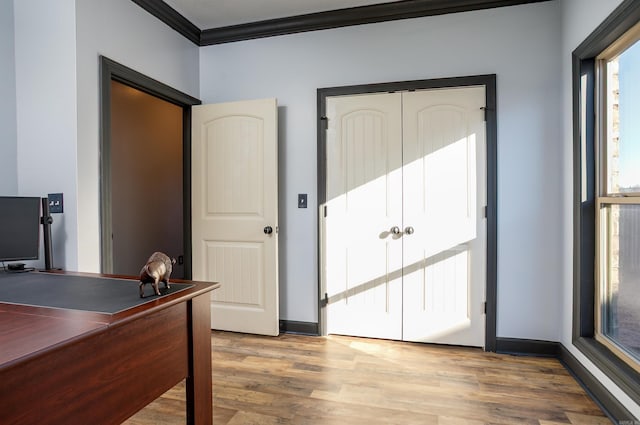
(19, 228)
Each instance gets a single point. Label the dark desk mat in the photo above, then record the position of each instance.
(96, 294)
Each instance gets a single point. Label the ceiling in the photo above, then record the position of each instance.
(207, 14)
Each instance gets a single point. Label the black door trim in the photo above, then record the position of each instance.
(489, 81)
(113, 71)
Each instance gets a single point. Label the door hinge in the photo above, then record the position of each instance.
(484, 211)
(325, 300)
(325, 121)
(325, 211)
(484, 109)
(484, 307)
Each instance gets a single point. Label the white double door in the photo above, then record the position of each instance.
(404, 234)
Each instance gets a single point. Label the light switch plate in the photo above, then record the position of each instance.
(302, 200)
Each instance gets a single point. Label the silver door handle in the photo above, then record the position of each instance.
(408, 230)
(395, 230)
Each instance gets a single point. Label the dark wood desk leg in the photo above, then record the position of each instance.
(198, 384)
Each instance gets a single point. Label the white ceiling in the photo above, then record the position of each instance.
(207, 14)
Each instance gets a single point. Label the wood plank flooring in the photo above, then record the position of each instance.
(295, 379)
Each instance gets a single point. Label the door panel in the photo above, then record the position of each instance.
(234, 152)
(444, 186)
(234, 181)
(363, 259)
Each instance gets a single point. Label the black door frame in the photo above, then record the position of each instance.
(113, 71)
(489, 82)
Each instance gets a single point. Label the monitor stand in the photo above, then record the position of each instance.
(46, 221)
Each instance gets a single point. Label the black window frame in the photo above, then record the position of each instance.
(584, 63)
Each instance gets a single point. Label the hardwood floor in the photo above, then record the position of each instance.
(296, 379)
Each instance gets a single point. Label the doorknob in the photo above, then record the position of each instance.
(268, 230)
(395, 230)
(408, 230)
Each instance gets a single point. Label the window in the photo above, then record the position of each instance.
(606, 116)
(618, 198)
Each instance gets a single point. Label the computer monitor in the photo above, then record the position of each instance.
(19, 228)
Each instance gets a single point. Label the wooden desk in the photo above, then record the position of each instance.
(62, 366)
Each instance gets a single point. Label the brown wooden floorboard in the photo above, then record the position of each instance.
(294, 379)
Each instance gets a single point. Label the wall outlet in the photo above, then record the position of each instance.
(56, 203)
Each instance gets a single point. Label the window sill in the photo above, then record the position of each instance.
(623, 375)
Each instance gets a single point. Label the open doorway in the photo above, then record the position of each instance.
(145, 171)
(146, 179)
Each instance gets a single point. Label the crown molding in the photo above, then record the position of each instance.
(404, 9)
(172, 18)
(348, 17)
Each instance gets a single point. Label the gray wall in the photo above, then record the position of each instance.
(45, 40)
(8, 138)
(520, 44)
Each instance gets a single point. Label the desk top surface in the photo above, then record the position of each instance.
(65, 306)
(85, 293)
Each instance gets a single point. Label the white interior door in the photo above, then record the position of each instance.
(415, 160)
(234, 204)
(362, 257)
(444, 235)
